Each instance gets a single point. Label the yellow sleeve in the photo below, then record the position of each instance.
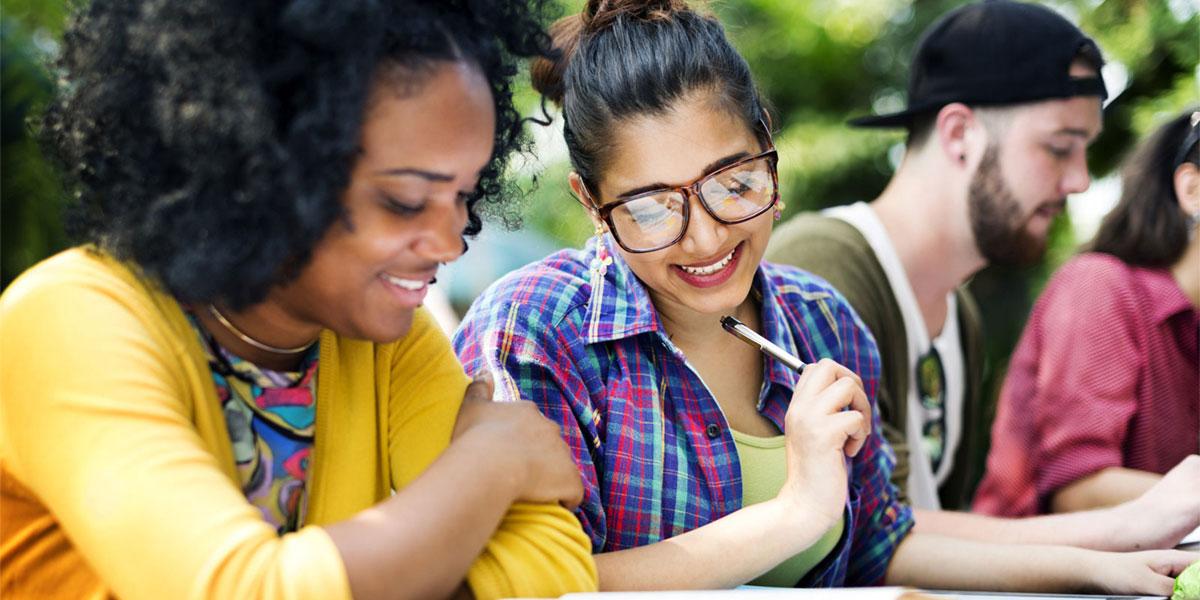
(539, 549)
(95, 419)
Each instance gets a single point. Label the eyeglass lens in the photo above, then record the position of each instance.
(658, 219)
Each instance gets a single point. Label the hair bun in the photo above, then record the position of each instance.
(601, 14)
(546, 73)
(598, 15)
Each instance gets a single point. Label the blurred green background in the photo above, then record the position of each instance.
(818, 62)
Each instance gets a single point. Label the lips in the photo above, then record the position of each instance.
(713, 272)
(408, 290)
(712, 268)
(408, 284)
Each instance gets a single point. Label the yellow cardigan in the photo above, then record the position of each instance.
(117, 477)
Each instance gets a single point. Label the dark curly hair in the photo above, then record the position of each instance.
(209, 141)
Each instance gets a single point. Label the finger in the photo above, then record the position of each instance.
(1172, 562)
(860, 403)
(1156, 584)
(816, 377)
(839, 395)
(572, 501)
(852, 431)
(481, 387)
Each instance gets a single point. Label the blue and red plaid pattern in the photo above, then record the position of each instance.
(652, 445)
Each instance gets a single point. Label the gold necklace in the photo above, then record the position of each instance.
(253, 342)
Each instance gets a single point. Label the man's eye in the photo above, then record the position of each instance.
(1059, 152)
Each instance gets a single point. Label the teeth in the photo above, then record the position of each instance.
(710, 269)
(408, 284)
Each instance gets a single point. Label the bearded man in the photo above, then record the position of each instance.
(1003, 100)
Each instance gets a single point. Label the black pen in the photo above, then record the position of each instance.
(767, 347)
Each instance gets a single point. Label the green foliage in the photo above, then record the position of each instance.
(30, 196)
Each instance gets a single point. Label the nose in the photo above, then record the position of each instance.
(441, 238)
(704, 234)
(1076, 179)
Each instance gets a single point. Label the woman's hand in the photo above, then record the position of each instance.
(528, 446)
(1150, 572)
(828, 419)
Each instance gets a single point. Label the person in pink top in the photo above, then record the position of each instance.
(1102, 397)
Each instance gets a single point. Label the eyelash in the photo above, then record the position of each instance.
(405, 210)
(401, 208)
(1059, 152)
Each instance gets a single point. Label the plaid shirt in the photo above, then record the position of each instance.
(654, 449)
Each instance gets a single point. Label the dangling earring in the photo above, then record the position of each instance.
(600, 262)
(779, 206)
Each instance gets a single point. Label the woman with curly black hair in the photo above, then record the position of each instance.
(229, 389)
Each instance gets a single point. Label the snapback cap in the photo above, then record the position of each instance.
(993, 52)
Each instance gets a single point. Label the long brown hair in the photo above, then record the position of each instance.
(1147, 227)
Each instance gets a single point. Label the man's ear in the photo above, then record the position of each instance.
(959, 134)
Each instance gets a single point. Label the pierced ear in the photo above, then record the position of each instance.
(584, 198)
(955, 130)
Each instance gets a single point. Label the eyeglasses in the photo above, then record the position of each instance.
(931, 390)
(733, 194)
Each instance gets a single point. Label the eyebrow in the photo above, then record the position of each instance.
(1071, 131)
(708, 170)
(430, 175)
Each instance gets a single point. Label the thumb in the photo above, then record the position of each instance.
(481, 387)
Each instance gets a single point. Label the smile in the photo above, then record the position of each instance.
(710, 269)
(408, 284)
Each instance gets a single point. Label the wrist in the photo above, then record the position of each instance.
(798, 521)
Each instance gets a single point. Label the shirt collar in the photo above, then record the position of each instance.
(1165, 295)
(619, 305)
(775, 327)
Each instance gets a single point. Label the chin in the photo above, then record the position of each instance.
(387, 330)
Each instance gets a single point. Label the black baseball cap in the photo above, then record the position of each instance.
(993, 52)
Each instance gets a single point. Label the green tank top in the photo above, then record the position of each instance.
(764, 469)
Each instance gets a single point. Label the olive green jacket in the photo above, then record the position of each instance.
(838, 252)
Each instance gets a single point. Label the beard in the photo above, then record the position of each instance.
(1001, 232)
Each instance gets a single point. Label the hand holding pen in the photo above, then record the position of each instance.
(829, 418)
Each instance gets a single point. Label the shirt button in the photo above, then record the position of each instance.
(713, 431)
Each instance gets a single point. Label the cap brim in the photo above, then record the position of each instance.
(900, 119)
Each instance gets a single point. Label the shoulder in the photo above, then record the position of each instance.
(808, 296)
(1094, 267)
(72, 288)
(833, 249)
(539, 295)
(795, 284)
(1092, 278)
(816, 231)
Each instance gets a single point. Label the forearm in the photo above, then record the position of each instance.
(939, 562)
(725, 553)
(1107, 487)
(420, 542)
(1095, 529)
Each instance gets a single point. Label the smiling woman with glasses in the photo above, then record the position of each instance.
(706, 464)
